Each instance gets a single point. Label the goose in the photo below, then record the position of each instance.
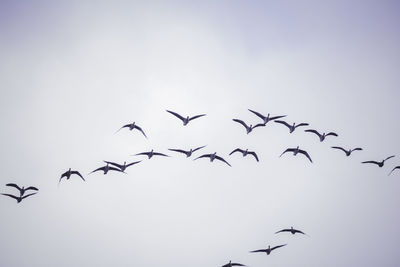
(230, 264)
(321, 136)
(213, 157)
(268, 250)
(250, 127)
(397, 167)
(245, 152)
(267, 118)
(68, 174)
(187, 153)
(132, 126)
(183, 119)
(151, 154)
(291, 230)
(379, 163)
(124, 166)
(348, 152)
(295, 151)
(106, 168)
(20, 198)
(293, 126)
(22, 190)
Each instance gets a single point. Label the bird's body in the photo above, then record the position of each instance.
(230, 264)
(296, 151)
(188, 153)
(245, 153)
(106, 169)
(321, 136)
(347, 152)
(68, 174)
(293, 126)
(379, 163)
(151, 153)
(291, 230)
(132, 126)
(124, 166)
(187, 119)
(267, 118)
(268, 250)
(250, 127)
(213, 157)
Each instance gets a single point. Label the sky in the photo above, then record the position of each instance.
(73, 72)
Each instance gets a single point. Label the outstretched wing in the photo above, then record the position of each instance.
(298, 231)
(77, 173)
(332, 133)
(132, 163)
(397, 167)
(236, 150)
(258, 114)
(204, 156)
(113, 163)
(258, 250)
(237, 264)
(277, 117)
(197, 116)
(357, 148)
(341, 148)
(254, 155)
(389, 158)
(197, 148)
(142, 153)
(241, 122)
(28, 195)
(14, 185)
(221, 159)
(126, 125)
(301, 124)
(176, 115)
(159, 154)
(178, 150)
(371, 161)
(313, 131)
(31, 188)
(140, 129)
(283, 122)
(259, 125)
(306, 154)
(288, 150)
(115, 169)
(98, 169)
(278, 247)
(12, 196)
(283, 230)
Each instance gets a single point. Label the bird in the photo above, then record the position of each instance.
(68, 174)
(245, 153)
(250, 127)
(132, 126)
(20, 198)
(22, 190)
(106, 168)
(213, 157)
(151, 154)
(293, 126)
(187, 153)
(291, 230)
(268, 250)
(348, 152)
(230, 264)
(379, 163)
(183, 119)
(397, 167)
(297, 150)
(321, 136)
(267, 118)
(124, 166)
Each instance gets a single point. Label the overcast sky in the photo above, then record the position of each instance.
(73, 72)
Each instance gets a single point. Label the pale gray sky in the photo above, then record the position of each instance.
(72, 73)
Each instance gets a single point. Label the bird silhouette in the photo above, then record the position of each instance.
(321, 136)
(250, 127)
(213, 157)
(132, 126)
(291, 230)
(124, 166)
(293, 126)
(245, 152)
(395, 168)
(187, 119)
(106, 169)
(68, 174)
(230, 264)
(347, 152)
(151, 153)
(22, 190)
(268, 250)
(297, 150)
(267, 118)
(187, 153)
(379, 163)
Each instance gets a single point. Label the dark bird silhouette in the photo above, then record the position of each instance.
(291, 230)
(268, 250)
(124, 166)
(213, 157)
(68, 174)
(321, 136)
(151, 154)
(132, 126)
(395, 168)
(348, 152)
(267, 118)
(106, 169)
(245, 152)
(230, 264)
(20, 198)
(379, 163)
(22, 190)
(187, 153)
(250, 127)
(297, 150)
(293, 126)
(187, 119)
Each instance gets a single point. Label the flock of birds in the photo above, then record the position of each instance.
(112, 166)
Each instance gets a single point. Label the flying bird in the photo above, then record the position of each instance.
(321, 136)
(267, 118)
(22, 190)
(187, 153)
(297, 150)
(250, 127)
(379, 163)
(213, 157)
(245, 152)
(348, 152)
(20, 198)
(106, 169)
(397, 167)
(293, 126)
(151, 154)
(132, 126)
(268, 250)
(68, 174)
(230, 264)
(124, 166)
(291, 230)
(187, 119)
